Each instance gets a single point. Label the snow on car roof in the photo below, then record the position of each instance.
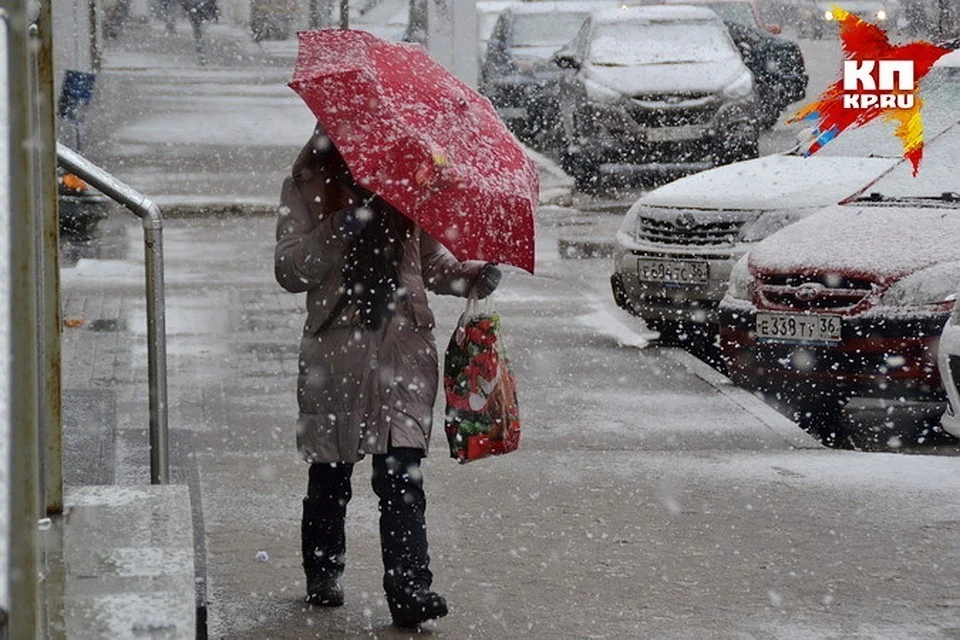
(562, 7)
(678, 13)
(771, 182)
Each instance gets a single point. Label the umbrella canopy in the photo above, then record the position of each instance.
(424, 141)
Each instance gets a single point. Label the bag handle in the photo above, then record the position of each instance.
(474, 308)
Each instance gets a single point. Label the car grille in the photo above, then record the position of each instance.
(670, 117)
(796, 292)
(670, 110)
(701, 233)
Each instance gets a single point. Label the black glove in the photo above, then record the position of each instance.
(488, 280)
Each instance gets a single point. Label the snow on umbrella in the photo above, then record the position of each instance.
(424, 141)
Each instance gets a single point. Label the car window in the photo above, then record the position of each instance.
(631, 43)
(540, 30)
(937, 175)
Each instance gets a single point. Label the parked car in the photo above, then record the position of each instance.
(677, 244)
(743, 12)
(777, 64)
(817, 18)
(948, 363)
(654, 88)
(518, 75)
(810, 19)
(778, 68)
(488, 12)
(850, 301)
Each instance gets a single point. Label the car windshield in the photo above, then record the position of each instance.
(632, 43)
(940, 92)
(736, 12)
(937, 181)
(540, 30)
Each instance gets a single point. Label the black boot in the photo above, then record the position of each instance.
(398, 483)
(415, 604)
(322, 533)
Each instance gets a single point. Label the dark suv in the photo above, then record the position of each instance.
(654, 89)
(518, 75)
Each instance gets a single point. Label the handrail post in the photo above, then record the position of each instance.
(156, 341)
(23, 478)
(152, 219)
(51, 427)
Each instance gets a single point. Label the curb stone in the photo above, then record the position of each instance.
(771, 418)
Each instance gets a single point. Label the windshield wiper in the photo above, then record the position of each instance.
(876, 196)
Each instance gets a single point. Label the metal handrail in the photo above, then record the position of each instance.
(152, 220)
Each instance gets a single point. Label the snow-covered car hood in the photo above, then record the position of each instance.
(771, 182)
(682, 77)
(882, 243)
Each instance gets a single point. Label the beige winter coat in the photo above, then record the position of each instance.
(359, 390)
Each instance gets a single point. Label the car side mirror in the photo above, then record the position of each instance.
(773, 28)
(566, 61)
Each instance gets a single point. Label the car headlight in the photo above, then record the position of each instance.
(881, 15)
(600, 92)
(828, 15)
(741, 280)
(767, 224)
(740, 88)
(936, 285)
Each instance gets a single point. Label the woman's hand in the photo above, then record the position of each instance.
(487, 281)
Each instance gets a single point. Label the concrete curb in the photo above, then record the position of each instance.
(124, 563)
(796, 437)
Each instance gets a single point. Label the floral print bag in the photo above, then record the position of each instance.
(482, 416)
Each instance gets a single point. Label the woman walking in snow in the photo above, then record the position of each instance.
(368, 372)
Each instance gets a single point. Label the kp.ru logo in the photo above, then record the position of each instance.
(887, 84)
(879, 80)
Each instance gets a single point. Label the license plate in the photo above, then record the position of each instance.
(677, 271)
(671, 134)
(797, 327)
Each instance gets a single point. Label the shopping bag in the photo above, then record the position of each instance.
(482, 415)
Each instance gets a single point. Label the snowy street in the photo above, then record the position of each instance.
(650, 497)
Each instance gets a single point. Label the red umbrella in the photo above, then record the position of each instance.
(423, 140)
